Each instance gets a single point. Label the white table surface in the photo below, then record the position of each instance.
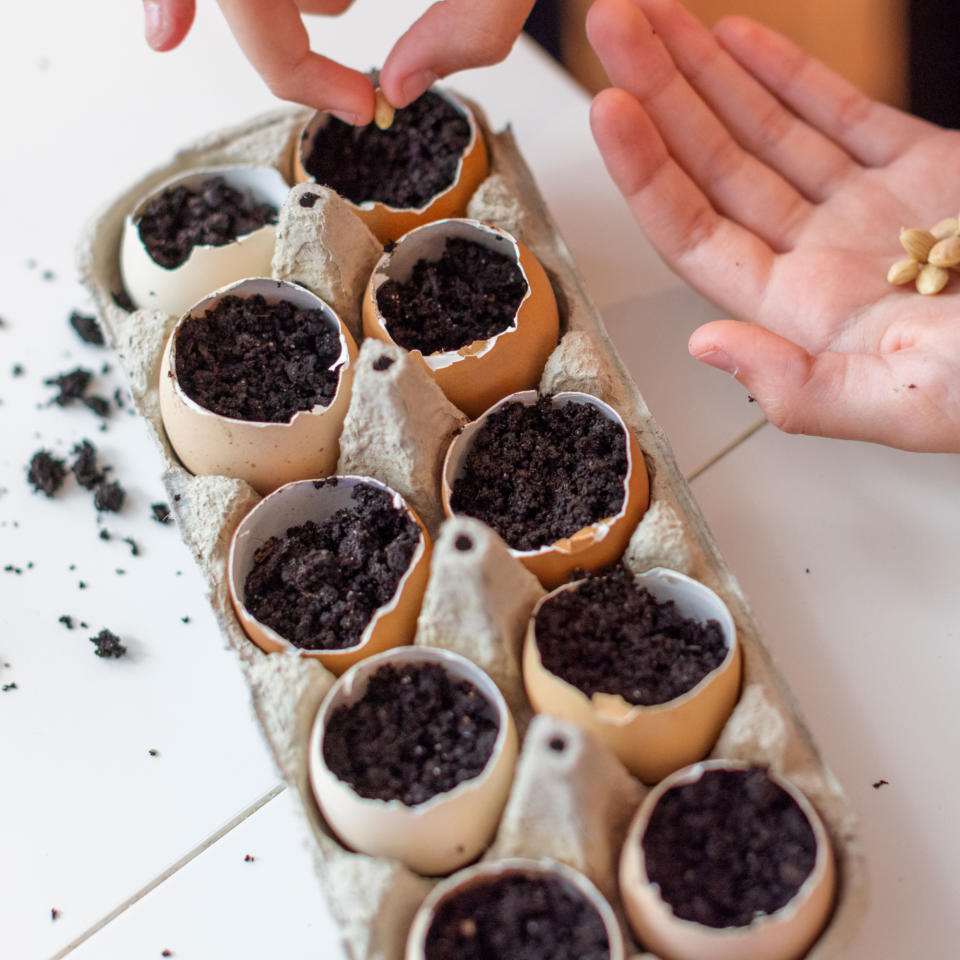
(848, 552)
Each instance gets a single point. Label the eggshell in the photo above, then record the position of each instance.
(446, 831)
(391, 625)
(589, 548)
(207, 267)
(785, 934)
(493, 870)
(483, 372)
(266, 455)
(651, 741)
(389, 223)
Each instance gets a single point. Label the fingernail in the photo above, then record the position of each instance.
(155, 27)
(416, 84)
(721, 360)
(345, 115)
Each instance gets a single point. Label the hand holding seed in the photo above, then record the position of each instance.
(779, 191)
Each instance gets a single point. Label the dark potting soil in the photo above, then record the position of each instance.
(213, 214)
(72, 385)
(518, 917)
(46, 472)
(611, 635)
(87, 328)
(319, 584)
(108, 497)
(403, 166)
(85, 469)
(470, 293)
(728, 848)
(416, 732)
(539, 473)
(253, 360)
(108, 645)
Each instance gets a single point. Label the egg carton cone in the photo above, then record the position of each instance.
(572, 804)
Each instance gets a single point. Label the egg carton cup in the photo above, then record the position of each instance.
(571, 804)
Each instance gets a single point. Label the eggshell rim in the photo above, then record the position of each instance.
(132, 220)
(308, 133)
(823, 863)
(612, 708)
(341, 365)
(467, 670)
(491, 870)
(580, 539)
(265, 504)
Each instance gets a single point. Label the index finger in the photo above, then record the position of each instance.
(274, 39)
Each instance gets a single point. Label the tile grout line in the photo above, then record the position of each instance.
(732, 445)
(171, 870)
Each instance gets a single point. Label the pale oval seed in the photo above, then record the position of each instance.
(382, 112)
(903, 271)
(932, 279)
(945, 253)
(948, 227)
(917, 242)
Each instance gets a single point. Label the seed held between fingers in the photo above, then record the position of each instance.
(383, 111)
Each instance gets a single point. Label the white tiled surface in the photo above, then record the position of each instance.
(89, 820)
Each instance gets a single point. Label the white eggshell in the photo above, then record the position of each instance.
(478, 374)
(448, 830)
(266, 455)
(391, 625)
(651, 741)
(493, 870)
(785, 934)
(590, 548)
(207, 268)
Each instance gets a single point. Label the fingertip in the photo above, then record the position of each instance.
(167, 22)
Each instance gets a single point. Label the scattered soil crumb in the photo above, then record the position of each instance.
(880, 783)
(46, 472)
(108, 645)
(87, 328)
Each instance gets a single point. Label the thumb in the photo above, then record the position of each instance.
(856, 396)
(452, 35)
(167, 22)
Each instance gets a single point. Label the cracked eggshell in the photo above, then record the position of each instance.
(785, 934)
(479, 374)
(391, 625)
(651, 741)
(387, 222)
(590, 548)
(207, 268)
(266, 455)
(493, 870)
(446, 831)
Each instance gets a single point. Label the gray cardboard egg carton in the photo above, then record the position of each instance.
(574, 805)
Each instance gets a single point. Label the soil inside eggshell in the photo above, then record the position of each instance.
(538, 473)
(254, 360)
(212, 214)
(729, 847)
(406, 165)
(319, 584)
(610, 635)
(518, 917)
(470, 293)
(416, 732)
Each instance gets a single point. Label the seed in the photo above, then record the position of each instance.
(903, 271)
(917, 242)
(948, 227)
(932, 279)
(945, 253)
(382, 112)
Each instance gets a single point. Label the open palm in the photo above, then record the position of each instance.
(778, 190)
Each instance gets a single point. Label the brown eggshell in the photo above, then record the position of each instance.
(483, 372)
(442, 833)
(598, 545)
(208, 267)
(651, 741)
(392, 625)
(491, 871)
(266, 455)
(785, 934)
(389, 223)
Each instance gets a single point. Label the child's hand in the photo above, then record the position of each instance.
(778, 190)
(452, 35)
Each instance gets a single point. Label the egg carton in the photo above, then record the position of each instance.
(573, 806)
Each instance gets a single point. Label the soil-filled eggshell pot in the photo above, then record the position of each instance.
(331, 511)
(297, 444)
(715, 850)
(685, 677)
(206, 229)
(412, 756)
(474, 301)
(503, 909)
(603, 439)
(399, 178)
